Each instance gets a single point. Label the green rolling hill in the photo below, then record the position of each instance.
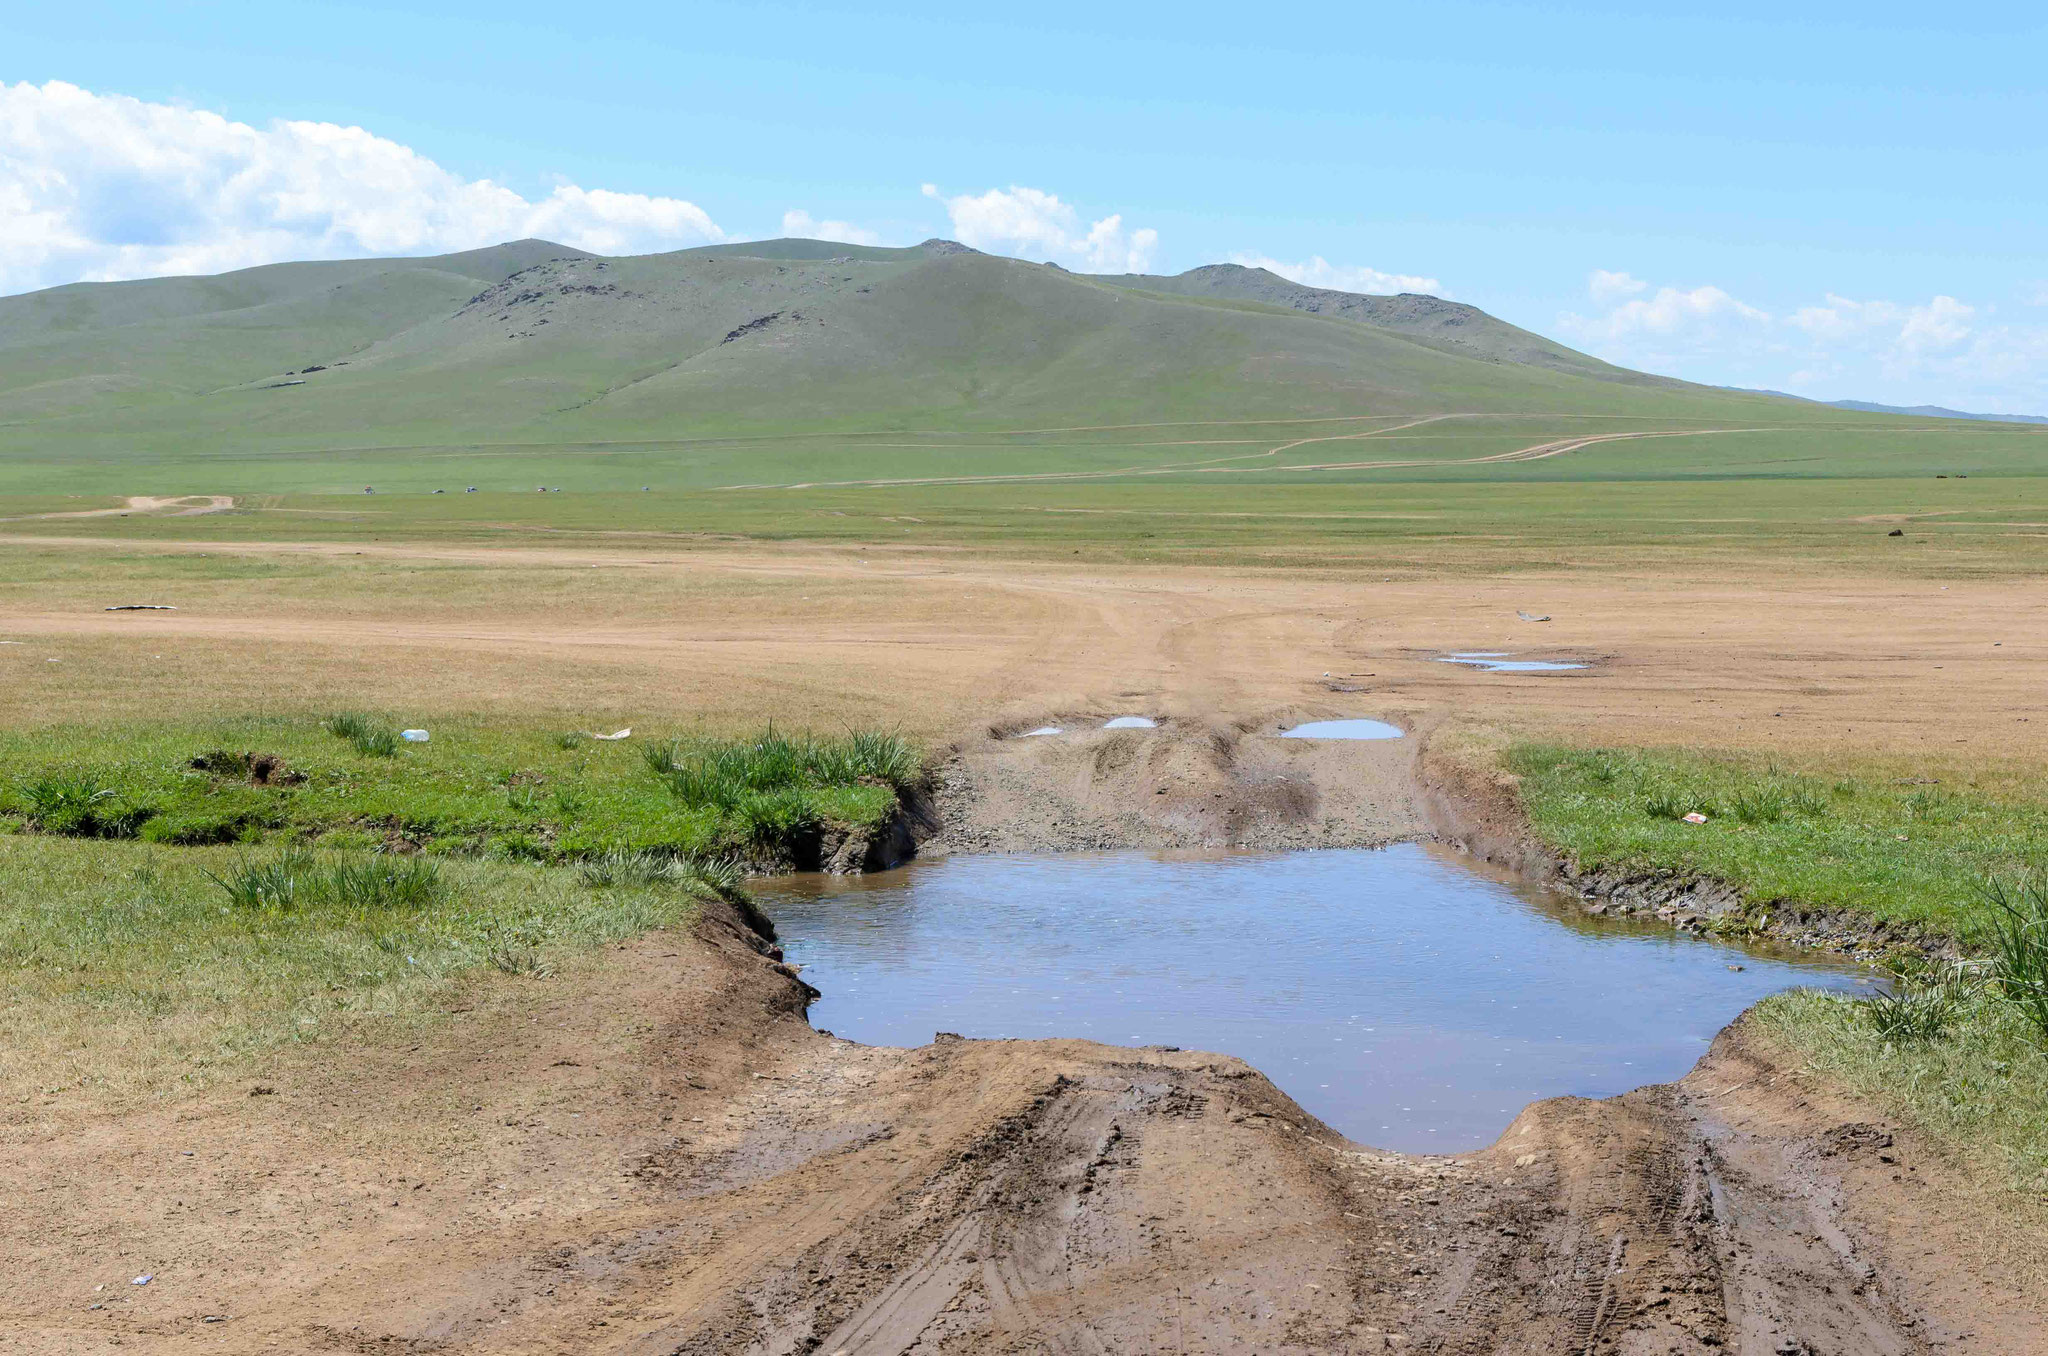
(794, 361)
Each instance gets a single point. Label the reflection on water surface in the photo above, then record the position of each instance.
(1401, 995)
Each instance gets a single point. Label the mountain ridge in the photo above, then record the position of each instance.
(534, 341)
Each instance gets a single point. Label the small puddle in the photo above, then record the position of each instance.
(1406, 998)
(1131, 723)
(1343, 729)
(1496, 661)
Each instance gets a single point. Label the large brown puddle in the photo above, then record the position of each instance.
(1406, 998)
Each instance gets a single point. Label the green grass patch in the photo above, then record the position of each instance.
(1889, 846)
(1976, 1081)
(509, 794)
(131, 966)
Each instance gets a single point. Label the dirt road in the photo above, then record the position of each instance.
(939, 643)
(653, 1152)
(178, 506)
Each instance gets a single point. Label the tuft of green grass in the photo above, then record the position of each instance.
(277, 886)
(621, 866)
(519, 948)
(2019, 947)
(365, 736)
(728, 775)
(1915, 1009)
(348, 725)
(384, 883)
(80, 804)
(1662, 803)
(1761, 803)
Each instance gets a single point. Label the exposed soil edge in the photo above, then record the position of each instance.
(880, 847)
(1479, 810)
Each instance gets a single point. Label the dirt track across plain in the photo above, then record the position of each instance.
(941, 643)
(653, 1153)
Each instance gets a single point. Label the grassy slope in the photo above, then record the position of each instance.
(581, 351)
(1448, 325)
(128, 971)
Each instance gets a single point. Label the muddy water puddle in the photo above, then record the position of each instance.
(1343, 729)
(1495, 661)
(1403, 996)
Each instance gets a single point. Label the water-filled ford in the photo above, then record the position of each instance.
(1402, 995)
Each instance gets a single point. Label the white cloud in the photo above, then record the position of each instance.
(798, 224)
(1320, 272)
(1907, 331)
(1031, 223)
(1942, 351)
(99, 187)
(1671, 311)
(1608, 288)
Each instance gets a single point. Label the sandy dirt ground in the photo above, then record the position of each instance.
(653, 1153)
(941, 645)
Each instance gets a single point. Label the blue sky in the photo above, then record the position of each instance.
(1842, 200)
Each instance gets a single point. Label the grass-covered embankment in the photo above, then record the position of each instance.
(1901, 849)
(174, 898)
(1961, 1051)
(351, 782)
(132, 966)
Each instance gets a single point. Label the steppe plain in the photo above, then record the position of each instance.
(1052, 498)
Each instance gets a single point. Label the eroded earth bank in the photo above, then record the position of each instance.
(653, 1152)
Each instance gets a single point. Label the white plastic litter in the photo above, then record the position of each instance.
(617, 734)
(144, 1279)
(1041, 730)
(414, 736)
(1129, 723)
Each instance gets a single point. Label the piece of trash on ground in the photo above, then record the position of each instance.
(142, 607)
(616, 734)
(1695, 818)
(144, 1279)
(1533, 616)
(414, 736)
